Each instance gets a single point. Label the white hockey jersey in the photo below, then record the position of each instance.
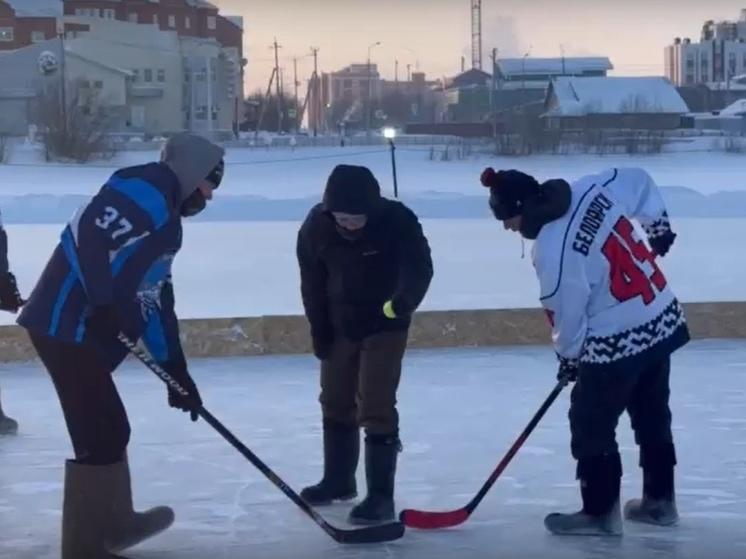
(601, 287)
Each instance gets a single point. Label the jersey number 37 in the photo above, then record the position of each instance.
(625, 254)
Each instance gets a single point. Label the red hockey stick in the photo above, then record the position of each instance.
(426, 520)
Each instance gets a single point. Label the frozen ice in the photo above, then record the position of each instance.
(460, 411)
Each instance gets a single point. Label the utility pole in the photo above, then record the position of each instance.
(409, 72)
(63, 84)
(278, 88)
(296, 84)
(369, 100)
(265, 102)
(476, 34)
(493, 92)
(192, 96)
(396, 70)
(316, 91)
(208, 70)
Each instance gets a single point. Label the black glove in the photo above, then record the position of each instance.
(662, 243)
(10, 297)
(186, 403)
(103, 323)
(322, 346)
(568, 370)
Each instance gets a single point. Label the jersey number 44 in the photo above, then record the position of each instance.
(625, 255)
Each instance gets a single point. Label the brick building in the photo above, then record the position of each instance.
(188, 18)
(25, 22)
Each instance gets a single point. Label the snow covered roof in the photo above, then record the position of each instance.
(36, 8)
(736, 109)
(577, 96)
(557, 66)
(236, 20)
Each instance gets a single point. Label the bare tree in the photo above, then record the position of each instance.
(3, 148)
(76, 130)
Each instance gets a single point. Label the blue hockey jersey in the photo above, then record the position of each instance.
(117, 250)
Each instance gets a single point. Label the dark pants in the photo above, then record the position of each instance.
(359, 381)
(94, 413)
(602, 394)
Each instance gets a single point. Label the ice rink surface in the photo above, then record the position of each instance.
(460, 411)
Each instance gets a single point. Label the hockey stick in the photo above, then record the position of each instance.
(371, 534)
(433, 520)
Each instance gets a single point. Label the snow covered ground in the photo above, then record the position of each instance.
(461, 410)
(281, 184)
(249, 269)
(284, 174)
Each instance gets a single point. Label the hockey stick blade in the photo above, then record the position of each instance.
(425, 520)
(369, 534)
(428, 520)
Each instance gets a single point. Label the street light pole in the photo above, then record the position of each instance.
(370, 79)
(390, 134)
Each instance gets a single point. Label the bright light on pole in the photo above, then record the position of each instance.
(389, 133)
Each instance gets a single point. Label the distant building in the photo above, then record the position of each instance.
(643, 103)
(732, 119)
(155, 67)
(25, 22)
(465, 97)
(344, 95)
(521, 81)
(22, 79)
(714, 60)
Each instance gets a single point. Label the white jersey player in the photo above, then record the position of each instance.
(615, 323)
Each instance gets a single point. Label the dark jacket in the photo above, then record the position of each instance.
(345, 283)
(117, 250)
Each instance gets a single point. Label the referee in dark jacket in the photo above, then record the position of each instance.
(365, 267)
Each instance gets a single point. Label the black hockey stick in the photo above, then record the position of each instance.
(371, 534)
(430, 520)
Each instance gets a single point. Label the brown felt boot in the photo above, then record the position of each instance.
(128, 528)
(86, 509)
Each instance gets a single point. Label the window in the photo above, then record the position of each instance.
(187, 22)
(135, 75)
(6, 35)
(731, 64)
(109, 13)
(148, 75)
(212, 22)
(38, 36)
(161, 75)
(172, 21)
(155, 19)
(132, 18)
(98, 84)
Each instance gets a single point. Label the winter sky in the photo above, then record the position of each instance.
(436, 33)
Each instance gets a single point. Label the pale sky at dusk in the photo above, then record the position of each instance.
(436, 33)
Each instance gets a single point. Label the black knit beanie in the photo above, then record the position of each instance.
(509, 191)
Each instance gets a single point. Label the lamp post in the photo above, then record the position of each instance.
(390, 133)
(523, 87)
(370, 79)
